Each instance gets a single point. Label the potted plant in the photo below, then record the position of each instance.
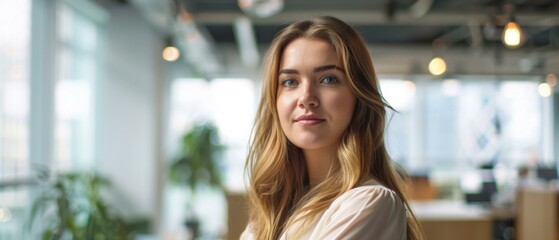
(70, 205)
(196, 164)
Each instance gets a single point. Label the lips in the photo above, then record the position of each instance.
(309, 120)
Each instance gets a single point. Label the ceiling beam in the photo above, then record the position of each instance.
(246, 41)
(433, 18)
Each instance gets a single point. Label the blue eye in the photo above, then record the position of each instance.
(288, 83)
(329, 80)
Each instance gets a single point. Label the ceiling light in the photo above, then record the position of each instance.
(544, 89)
(437, 66)
(261, 8)
(171, 53)
(551, 79)
(512, 35)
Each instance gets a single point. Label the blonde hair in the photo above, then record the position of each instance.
(279, 193)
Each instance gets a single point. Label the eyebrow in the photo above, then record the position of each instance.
(316, 69)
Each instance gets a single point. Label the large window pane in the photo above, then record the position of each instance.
(14, 113)
(521, 113)
(230, 104)
(400, 95)
(77, 54)
(456, 124)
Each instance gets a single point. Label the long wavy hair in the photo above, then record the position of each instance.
(279, 193)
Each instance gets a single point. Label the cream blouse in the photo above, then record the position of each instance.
(370, 211)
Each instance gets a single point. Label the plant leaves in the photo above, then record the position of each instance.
(81, 212)
(196, 163)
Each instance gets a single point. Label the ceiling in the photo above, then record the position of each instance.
(452, 20)
(469, 30)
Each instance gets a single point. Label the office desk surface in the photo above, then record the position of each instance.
(449, 210)
(455, 220)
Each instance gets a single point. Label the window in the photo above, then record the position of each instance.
(14, 113)
(230, 103)
(400, 95)
(77, 54)
(446, 125)
(522, 114)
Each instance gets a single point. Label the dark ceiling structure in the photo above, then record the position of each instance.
(381, 22)
(404, 34)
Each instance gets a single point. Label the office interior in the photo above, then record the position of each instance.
(97, 98)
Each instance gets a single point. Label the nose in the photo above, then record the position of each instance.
(308, 97)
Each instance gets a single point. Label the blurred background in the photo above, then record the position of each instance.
(130, 119)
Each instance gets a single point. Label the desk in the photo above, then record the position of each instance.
(442, 220)
(538, 214)
(537, 217)
(237, 214)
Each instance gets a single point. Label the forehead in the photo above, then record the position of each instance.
(304, 52)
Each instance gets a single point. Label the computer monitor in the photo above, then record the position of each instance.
(484, 195)
(546, 173)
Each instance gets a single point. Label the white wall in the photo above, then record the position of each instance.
(129, 112)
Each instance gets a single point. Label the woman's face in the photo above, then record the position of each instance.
(315, 103)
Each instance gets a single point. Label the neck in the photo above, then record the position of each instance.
(319, 163)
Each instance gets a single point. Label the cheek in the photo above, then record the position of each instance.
(342, 105)
(283, 105)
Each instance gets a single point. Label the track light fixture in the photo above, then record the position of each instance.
(170, 53)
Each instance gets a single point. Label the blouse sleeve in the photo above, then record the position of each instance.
(247, 233)
(367, 212)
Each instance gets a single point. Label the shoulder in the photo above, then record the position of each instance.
(370, 202)
(247, 233)
(369, 195)
(369, 211)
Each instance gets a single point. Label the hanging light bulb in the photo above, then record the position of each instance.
(512, 35)
(170, 52)
(544, 89)
(437, 66)
(261, 8)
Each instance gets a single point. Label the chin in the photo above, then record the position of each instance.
(310, 145)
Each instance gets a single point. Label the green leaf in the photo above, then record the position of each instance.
(197, 163)
(80, 209)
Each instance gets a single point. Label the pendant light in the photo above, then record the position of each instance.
(512, 36)
(170, 53)
(437, 65)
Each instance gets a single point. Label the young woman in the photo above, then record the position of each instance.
(317, 161)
